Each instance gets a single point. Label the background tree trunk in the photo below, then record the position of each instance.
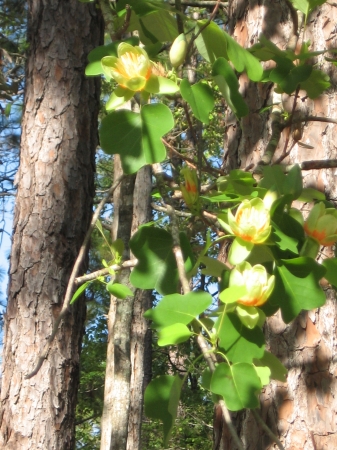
(302, 411)
(52, 213)
(127, 329)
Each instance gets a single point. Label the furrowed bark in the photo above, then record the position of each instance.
(52, 213)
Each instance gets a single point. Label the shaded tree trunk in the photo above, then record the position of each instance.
(52, 213)
(302, 411)
(127, 329)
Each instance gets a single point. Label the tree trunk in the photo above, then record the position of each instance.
(302, 411)
(124, 382)
(52, 213)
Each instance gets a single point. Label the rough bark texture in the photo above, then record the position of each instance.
(123, 394)
(302, 412)
(52, 213)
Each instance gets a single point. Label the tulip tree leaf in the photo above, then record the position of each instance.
(157, 268)
(306, 6)
(239, 251)
(331, 270)
(173, 334)
(118, 290)
(136, 136)
(297, 287)
(316, 84)
(213, 43)
(161, 399)
(239, 343)
(225, 78)
(177, 308)
(239, 385)
(277, 369)
(232, 294)
(200, 97)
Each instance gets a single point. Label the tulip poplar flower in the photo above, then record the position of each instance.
(251, 222)
(321, 224)
(131, 69)
(258, 282)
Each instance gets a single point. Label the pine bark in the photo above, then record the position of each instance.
(302, 411)
(52, 213)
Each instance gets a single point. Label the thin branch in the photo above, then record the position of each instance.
(165, 210)
(267, 429)
(309, 119)
(197, 4)
(211, 17)
(313, 165)
(209, 356)
(79, 261)
(106, 271)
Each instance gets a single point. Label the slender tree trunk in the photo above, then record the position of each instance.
(302, 411)
(52, 213)
(124, 382)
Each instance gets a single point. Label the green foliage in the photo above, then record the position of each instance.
(272, 248)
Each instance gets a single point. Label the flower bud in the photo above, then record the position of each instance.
(258, 282)
(178, 51)
(321, 224)
(251, 222)
(190, 190)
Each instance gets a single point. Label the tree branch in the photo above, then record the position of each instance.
(79, 261)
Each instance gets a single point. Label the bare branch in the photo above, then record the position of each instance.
(99, 273)
(79, 261)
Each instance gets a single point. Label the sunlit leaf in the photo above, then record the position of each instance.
(277, 369)
(177, 308)
(297, 287)
(118, 290)
(239, 385)
(200, 98)
(239, 343)
(136, 136)
(173, 334)
(226, 79)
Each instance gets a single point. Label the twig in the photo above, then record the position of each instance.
(71, 283)
(209, 356)
(165, 210)
(99, 273)
(267, 429)
(197, 4)
(314, 164)
(201, 29)
(309, 119)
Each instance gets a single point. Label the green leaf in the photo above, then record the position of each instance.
(225, 78)
(249, 315)
(309, 195)
(232, 294)
(213, 43)
(119, 290)
(173, 334)
(161, 85)
(283, 241)
(239, 251)
(307, 6)
(273, 178)
(331, 270)
(297, 287)
(115, 101)
(137, 136)
(200, 97)
(214, 267)
(177, 308)
(316, 84)
(288, 76)
(157, 268)
(239, 343)
(79, 291)
(293, 183)
(154, 24)
(239, 385)
(277, 369)
(161, 399)
(264, 374)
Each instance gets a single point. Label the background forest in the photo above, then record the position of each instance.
(173, 264)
